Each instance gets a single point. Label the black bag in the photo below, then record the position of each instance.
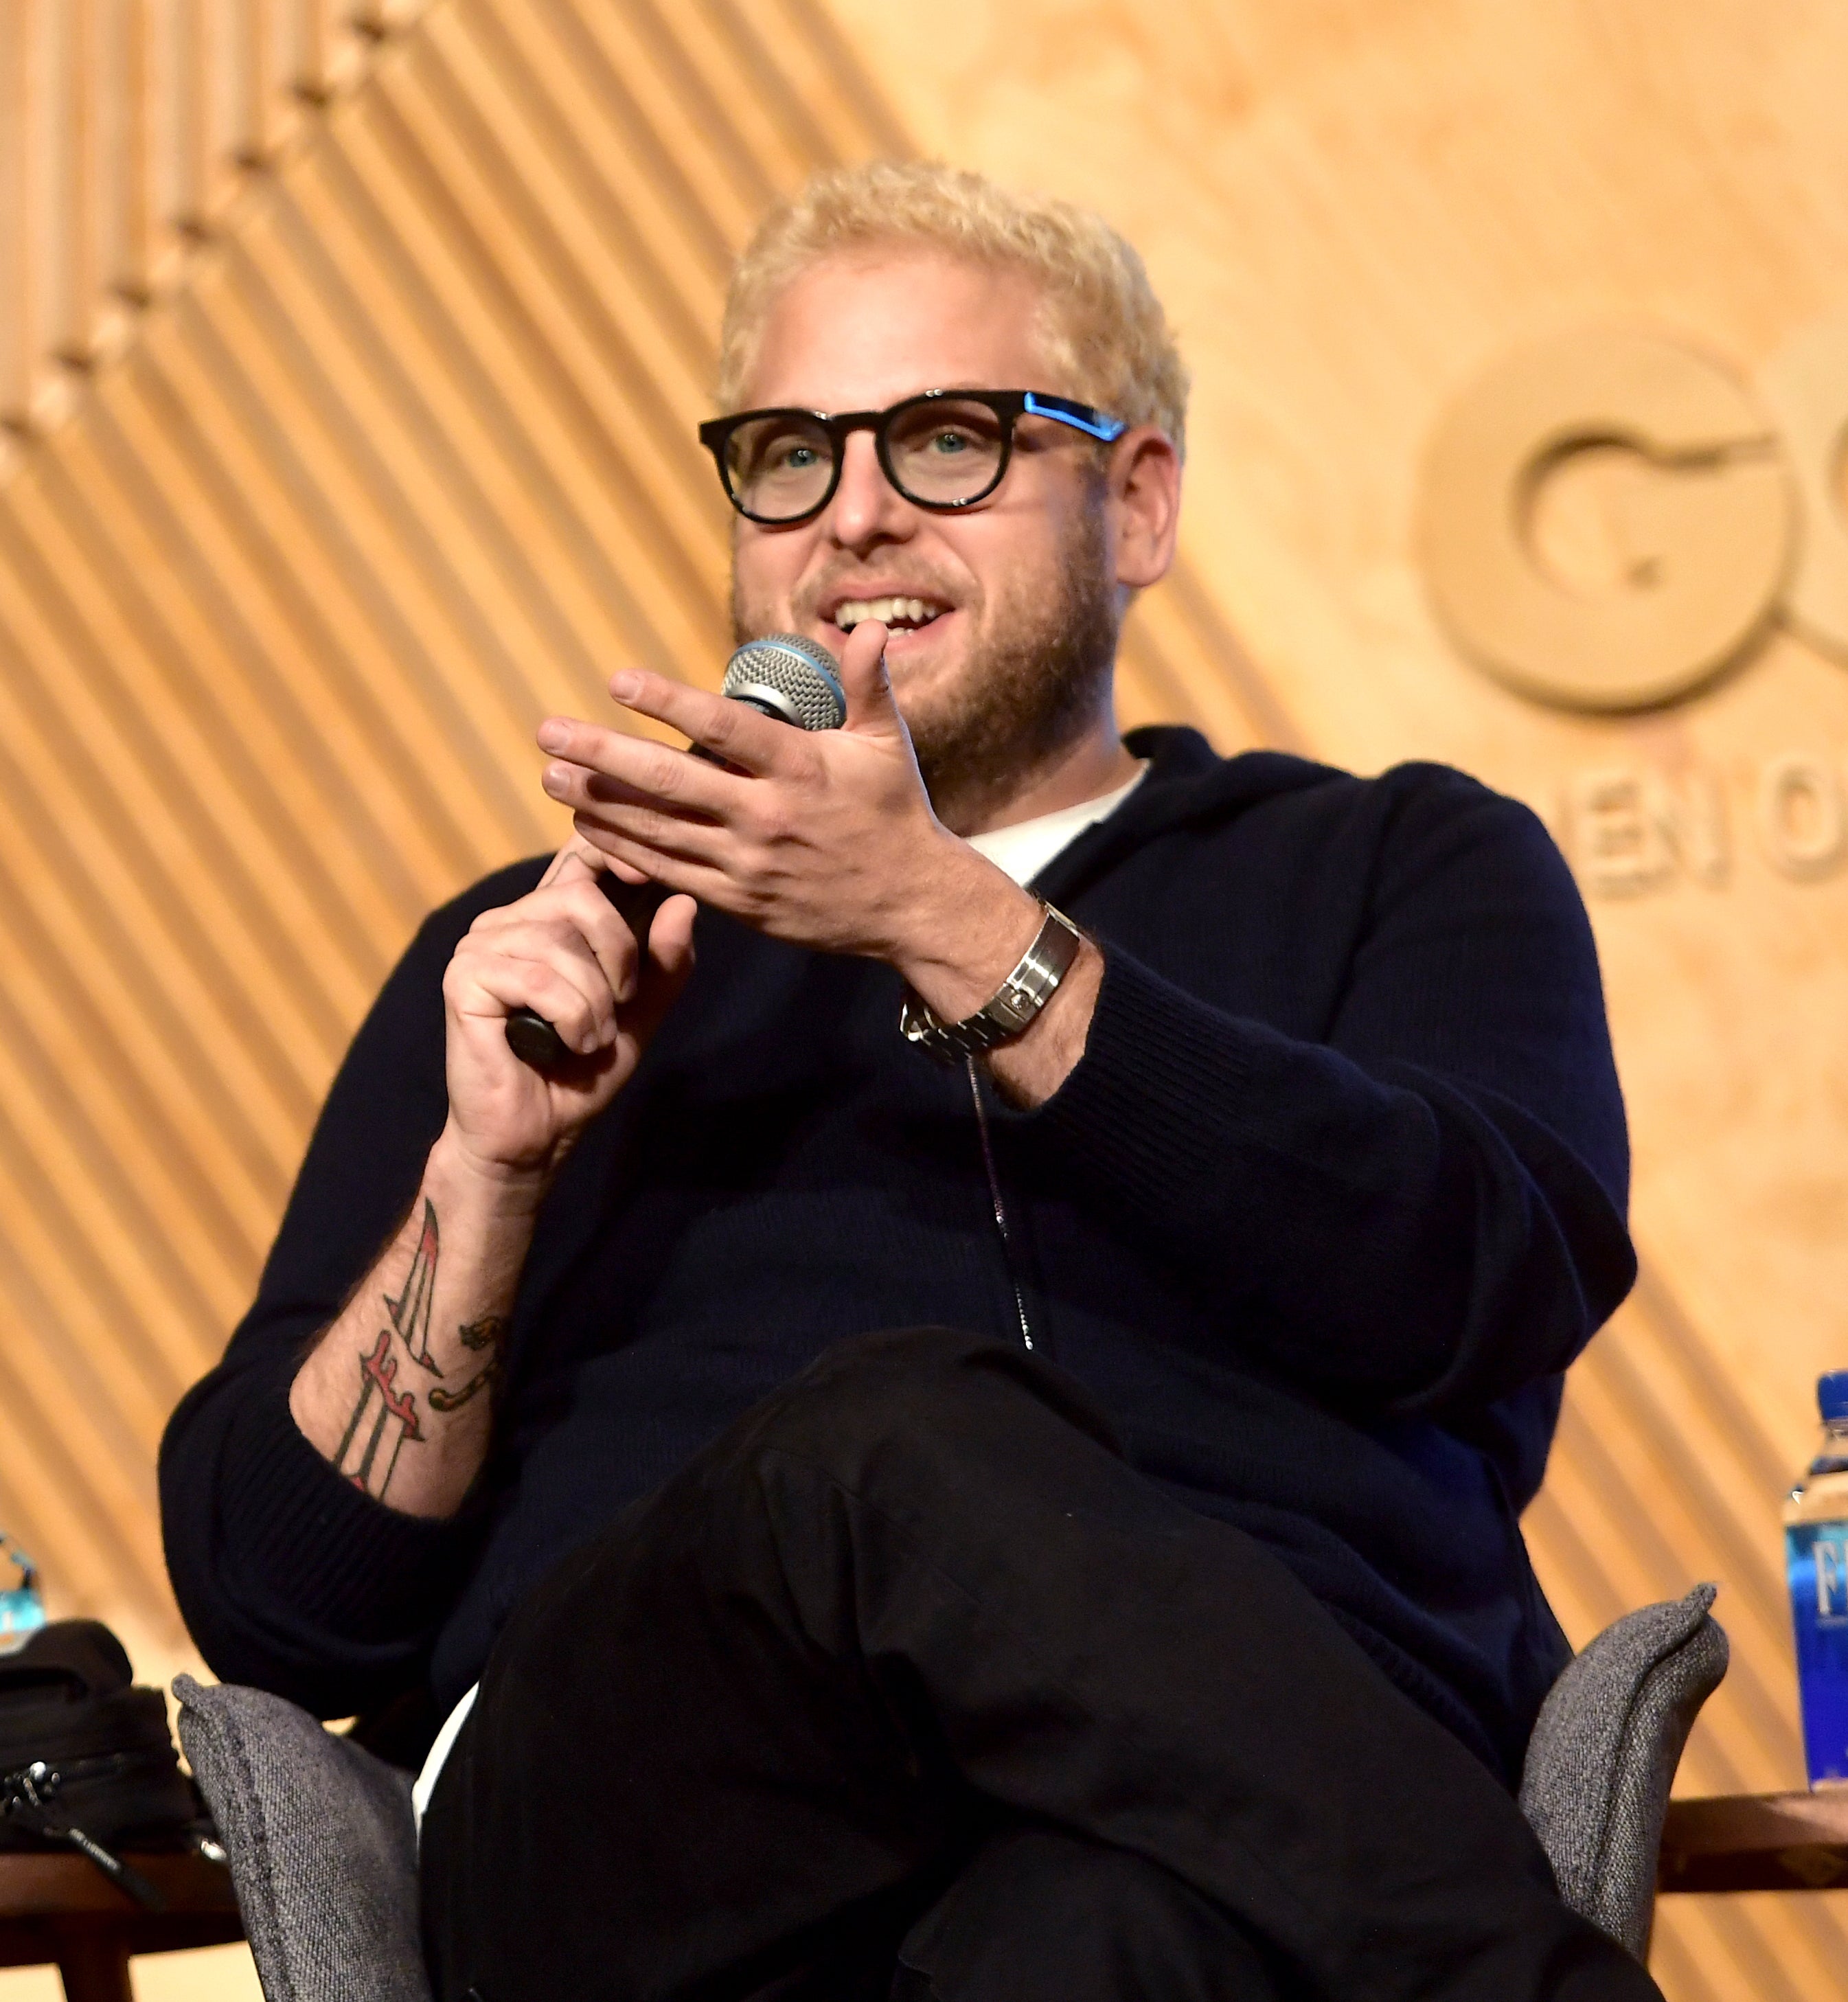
(86, 1759)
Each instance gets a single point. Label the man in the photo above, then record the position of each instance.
(1040, 1522)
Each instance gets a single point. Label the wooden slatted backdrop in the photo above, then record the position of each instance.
(351, 358)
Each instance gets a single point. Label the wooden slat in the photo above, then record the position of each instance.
(250, 523)
(604, 400)
(69, 224)
(190, 113)
(128, 141)
(19, 347)
(126, 127)
(369, 341)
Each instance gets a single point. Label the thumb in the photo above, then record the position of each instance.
(871, 708)
(670, 962)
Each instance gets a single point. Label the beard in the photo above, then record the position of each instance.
(1032, 686)
(1034, 683)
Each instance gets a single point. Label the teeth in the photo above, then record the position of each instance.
(887, 611)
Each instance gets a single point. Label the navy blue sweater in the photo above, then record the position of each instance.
(1334, 1196)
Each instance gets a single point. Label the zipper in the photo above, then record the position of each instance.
(26, 1795)
(1009, 1256)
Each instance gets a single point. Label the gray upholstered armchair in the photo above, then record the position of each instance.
(323, 1853)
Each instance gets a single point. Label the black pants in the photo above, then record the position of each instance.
(909, 1687)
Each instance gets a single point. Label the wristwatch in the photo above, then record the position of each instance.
(1011, 1012)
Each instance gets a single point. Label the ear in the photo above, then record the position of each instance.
(1143, 502)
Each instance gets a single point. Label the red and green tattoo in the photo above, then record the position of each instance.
(384, 1416)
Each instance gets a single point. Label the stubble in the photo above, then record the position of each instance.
(1030, 689)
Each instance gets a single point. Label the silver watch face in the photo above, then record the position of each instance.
(1025, 993)
(1011, 1010)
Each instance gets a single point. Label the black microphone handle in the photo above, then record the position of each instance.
(531, 1037)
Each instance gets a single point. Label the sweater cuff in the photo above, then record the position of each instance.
(307, 1538)
(1148, 1106)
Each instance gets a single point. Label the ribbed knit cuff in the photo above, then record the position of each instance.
(310, 1540)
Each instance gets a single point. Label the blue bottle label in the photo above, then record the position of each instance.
(1816, 1555)
(22, 1613)
(21, 1610)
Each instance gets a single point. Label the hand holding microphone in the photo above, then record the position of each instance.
(566, 949)
(784, 676)
(823, 838)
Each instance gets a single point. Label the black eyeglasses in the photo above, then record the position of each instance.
(947, 448)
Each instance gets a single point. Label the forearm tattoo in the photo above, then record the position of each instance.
(384, 1416)
(476, 1334)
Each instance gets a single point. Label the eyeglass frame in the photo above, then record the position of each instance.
(1009, 407)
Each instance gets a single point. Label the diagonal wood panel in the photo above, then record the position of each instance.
(405, 461)
(127, 130)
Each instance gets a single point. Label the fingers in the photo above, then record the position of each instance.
(576, 858)
(674, 873)
(670, 937)
(535, 963)
(604, 806)
(734, 730)
(487, 978)
(670, 963)
(508, 986)
(563, 949)
(577, 915)
(595, 766)
(579, 857)
(872, 710)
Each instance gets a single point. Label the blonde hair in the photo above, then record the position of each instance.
(1103, 331)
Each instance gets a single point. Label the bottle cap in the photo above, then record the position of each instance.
(1831, 1396)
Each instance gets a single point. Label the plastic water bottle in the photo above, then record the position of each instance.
(1815, 1543)
(22, 1608)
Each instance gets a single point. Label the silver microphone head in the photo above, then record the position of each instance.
(790, 677)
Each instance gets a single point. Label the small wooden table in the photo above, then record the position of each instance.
(62, 1909)
(1756, 1842)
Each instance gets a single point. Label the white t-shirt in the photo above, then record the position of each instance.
(1023, 851)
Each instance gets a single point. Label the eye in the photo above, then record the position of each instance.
(775, 449)
(947, 443)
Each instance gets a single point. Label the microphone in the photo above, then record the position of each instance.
(790, 678)
(782, 675)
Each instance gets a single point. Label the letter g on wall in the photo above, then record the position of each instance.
(1727, 511)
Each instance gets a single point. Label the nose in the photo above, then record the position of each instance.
(866, 508)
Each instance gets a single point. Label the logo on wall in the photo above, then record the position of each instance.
(1722, 512)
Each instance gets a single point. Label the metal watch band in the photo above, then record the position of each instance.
(1011, 1010)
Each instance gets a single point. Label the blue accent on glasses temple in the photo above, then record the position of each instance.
(1098, 426)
